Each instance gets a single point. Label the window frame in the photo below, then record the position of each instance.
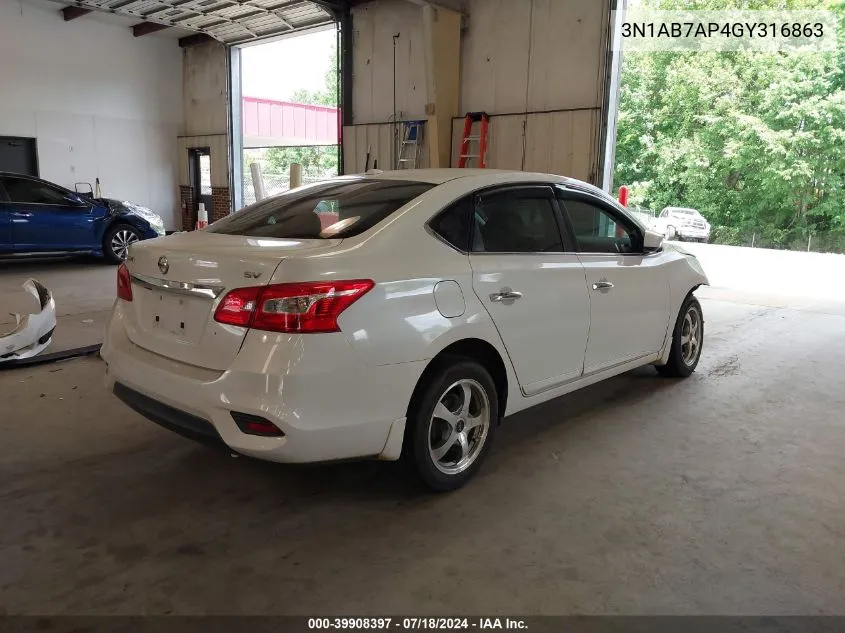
(562, 194)
(5, 197)
(306, 190)
(429, 228)
(565, 235)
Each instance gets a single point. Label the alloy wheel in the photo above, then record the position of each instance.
(121, 241)
(691, 332)
(459, 427)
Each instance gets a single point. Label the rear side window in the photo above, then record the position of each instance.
(333, 209)
(453, 224)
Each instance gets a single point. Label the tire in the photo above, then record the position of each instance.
(682, 360)
(671, 233)
(117, 235)
(427, 434)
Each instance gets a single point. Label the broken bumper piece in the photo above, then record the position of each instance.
(33, 319)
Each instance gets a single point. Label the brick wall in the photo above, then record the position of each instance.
(186, 195)
(221, 205)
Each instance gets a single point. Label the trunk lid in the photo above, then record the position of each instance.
(178, 281)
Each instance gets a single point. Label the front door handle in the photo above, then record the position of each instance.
(506, 296)
(602, 286)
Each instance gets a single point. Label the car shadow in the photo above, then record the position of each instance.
(49, 264)
(159, 501)
(172, 470)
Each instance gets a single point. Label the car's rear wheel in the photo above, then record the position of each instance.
(671, 233)
(117, 241)
(687, 341)
(451, 423)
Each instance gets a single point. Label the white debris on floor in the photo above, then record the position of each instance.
(27, 321)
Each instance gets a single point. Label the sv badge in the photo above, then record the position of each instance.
(251, 275)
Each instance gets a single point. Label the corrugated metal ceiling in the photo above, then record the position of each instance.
(229, 21)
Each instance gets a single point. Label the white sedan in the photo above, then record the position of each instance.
(396, 315)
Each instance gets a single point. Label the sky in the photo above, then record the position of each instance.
(276, 70)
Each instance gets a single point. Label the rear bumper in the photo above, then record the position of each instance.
(184, 424)
(33, 332)
(328, 408)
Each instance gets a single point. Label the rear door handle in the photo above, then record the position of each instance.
(506, 296)
(602, 286)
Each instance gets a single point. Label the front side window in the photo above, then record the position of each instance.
(599, 231)
(332, 209)
(28, 191)
(516, 221)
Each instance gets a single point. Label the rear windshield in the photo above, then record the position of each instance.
(328, 210)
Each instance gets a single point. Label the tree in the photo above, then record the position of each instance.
(753, 140)
(322, 160)
(328, 95)
(315, 159)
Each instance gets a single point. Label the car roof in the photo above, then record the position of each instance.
(4, 174)
(479, 178)
(12, 173)
(440, 176)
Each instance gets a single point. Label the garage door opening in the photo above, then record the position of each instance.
(289, 112)
(752, 140)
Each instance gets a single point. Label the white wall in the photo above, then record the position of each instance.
(374, 25)
(517, 56)
(536, 66)
(100, 102)
(206, 89)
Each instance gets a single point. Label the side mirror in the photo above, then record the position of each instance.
(652, 241)
(84, 189)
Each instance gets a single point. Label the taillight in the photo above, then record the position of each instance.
(297, 308)
(124, 283)
(238, 307)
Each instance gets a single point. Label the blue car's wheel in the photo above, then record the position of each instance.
(117, 241)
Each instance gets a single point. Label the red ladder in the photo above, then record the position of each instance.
(471, 119)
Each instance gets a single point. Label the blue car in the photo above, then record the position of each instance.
(41, 218)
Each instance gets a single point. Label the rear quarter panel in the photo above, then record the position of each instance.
(398, 321)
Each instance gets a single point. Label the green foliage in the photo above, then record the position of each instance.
(328, 95)
(314, 159)
(321, 160)
(752, 140)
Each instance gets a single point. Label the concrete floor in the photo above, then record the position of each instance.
(721, 494)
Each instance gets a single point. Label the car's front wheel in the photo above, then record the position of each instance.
(687, 341)
(451, 423)
(117, 241)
